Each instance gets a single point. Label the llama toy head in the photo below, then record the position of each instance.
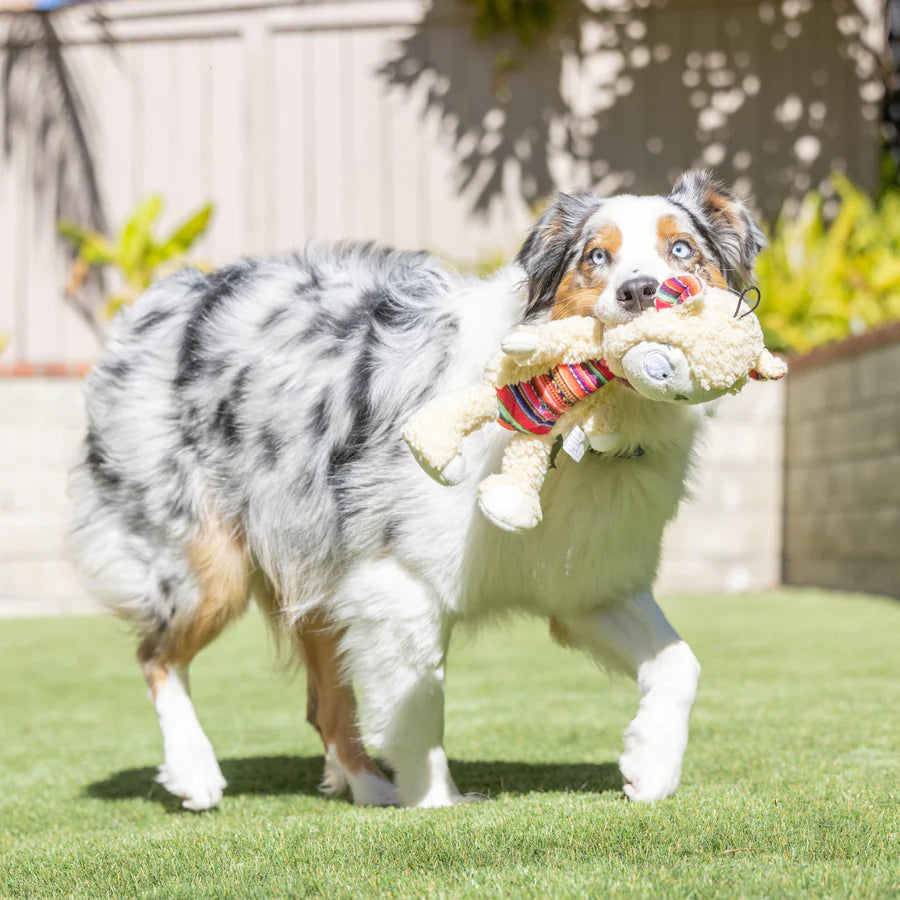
(698, 343)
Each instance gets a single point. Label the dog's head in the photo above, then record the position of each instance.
(589, 256)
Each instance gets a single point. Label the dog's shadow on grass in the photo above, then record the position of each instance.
(274, 775)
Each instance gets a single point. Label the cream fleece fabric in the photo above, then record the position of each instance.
(722, 349)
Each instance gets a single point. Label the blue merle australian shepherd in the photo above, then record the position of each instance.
(244, 440)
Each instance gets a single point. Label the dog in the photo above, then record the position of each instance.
(244, 442)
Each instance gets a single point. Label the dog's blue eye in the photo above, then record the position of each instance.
(682, 249)
(599, 257)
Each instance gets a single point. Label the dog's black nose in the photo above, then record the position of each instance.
(637, 293)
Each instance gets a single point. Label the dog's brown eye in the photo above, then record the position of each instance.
(682, 250)
(599, 257)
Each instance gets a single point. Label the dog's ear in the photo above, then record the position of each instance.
(552, 245)
(724, 221)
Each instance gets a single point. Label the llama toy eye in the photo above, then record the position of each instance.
(682, 250)
(599, 257)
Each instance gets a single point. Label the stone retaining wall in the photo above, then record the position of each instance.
(842, 498)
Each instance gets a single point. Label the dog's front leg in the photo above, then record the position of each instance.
(636, 638)
(394, 649)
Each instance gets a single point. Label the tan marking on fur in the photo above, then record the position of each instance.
(331, 705)
(668, 230)
(578, 303)
(579, 289)
(608, 238)
(720, 207)
(561, 634)
(711, 275)
(221, 566)
(155, 669)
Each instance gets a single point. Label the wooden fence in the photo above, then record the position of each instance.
(384, 119)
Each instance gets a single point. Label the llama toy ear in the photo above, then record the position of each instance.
(768, 368)
(677, 290)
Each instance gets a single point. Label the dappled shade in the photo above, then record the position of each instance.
(622, 96)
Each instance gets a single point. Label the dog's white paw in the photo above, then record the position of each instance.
(651, 765)
(507, 506)
(193, 773)
(369, 789)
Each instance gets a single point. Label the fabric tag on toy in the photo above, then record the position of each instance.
(573, 443)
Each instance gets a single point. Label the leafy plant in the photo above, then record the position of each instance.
(823, 278)
(137, 256)
(526, 20)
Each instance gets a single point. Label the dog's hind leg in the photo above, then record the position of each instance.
(220, 569)
(331, 710)
(636, 638)
(394, 645)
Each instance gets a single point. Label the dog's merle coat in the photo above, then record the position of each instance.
(264, 402)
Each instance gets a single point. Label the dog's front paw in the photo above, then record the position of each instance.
(507, 505)
(651, 765)
(193, 774)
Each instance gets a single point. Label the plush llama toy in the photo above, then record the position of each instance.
(697, 343)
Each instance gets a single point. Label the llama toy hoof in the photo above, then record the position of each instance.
(508, 506)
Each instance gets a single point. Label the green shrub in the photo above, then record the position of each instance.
(135, 253)
(525, 20)
(824, 279)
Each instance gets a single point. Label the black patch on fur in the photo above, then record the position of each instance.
(220, 287)
(552, 246)
(239, 386)
(390, 532)
(342, 328)
(271, 447)
(189, 426)
(389, 311)
(225, 422)
(314, 280)
(151, 320)
(320, 416)
(359, 395)
(119, 369)
(98, 462)
(273, 318)
(343, 484)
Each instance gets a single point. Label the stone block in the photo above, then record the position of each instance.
(27, 490)
(737, 444)
(878, 374)
(38, 445)
(37, 401)
(32, 536)
(722, 537)
(51, 579)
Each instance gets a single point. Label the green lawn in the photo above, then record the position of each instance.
(791, 785)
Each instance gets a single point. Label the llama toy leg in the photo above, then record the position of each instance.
(511, 500)
(435, 433)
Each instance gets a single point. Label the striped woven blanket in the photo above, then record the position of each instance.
(533, 407)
